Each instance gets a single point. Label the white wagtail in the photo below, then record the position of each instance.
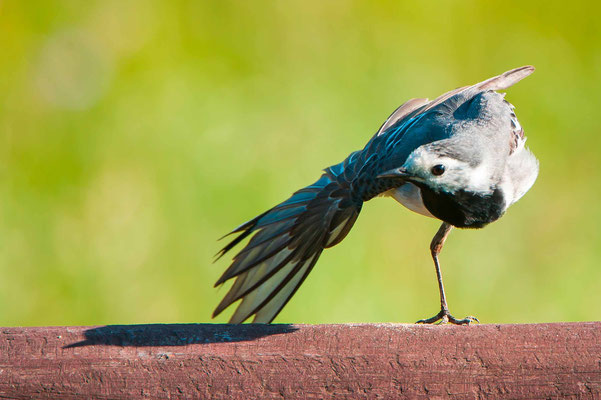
(459, 158)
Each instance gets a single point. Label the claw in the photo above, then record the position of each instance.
(445, 317)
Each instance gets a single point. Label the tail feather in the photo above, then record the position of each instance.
(506, 79)
(410, 112)
(287, 242)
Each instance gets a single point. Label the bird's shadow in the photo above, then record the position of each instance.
(177, 334)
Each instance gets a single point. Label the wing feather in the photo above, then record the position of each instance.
(287, 241)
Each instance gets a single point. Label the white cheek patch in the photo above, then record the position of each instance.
(458, 175)
(479, 178)
(453, 178)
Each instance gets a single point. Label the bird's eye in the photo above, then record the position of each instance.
(438, 169)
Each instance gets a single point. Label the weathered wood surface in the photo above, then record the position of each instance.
(302, 361)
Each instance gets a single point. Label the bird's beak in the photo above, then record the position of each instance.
(395, 173)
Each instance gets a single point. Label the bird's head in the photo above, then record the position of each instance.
(457, 186)
(446, 166)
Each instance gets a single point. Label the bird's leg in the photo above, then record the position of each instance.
(444, 316)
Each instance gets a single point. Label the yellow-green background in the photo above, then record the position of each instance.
(134, 133)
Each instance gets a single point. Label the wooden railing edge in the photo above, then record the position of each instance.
(301, 361)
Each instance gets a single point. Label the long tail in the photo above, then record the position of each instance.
(287, 241)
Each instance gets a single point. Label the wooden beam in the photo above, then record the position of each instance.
(302, 361)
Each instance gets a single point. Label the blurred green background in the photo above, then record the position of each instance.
(133, 134)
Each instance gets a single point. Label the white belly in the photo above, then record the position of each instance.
(410, 196)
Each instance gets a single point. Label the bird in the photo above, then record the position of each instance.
(460, 158)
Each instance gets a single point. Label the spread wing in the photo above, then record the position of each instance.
(288, 239)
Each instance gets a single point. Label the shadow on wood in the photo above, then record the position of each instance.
(302, 361)
(177, 334)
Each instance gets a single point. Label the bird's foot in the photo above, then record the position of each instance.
(445, 317)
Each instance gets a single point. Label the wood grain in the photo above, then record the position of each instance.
(302, 361)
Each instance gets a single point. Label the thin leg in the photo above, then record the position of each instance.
(444, 316)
